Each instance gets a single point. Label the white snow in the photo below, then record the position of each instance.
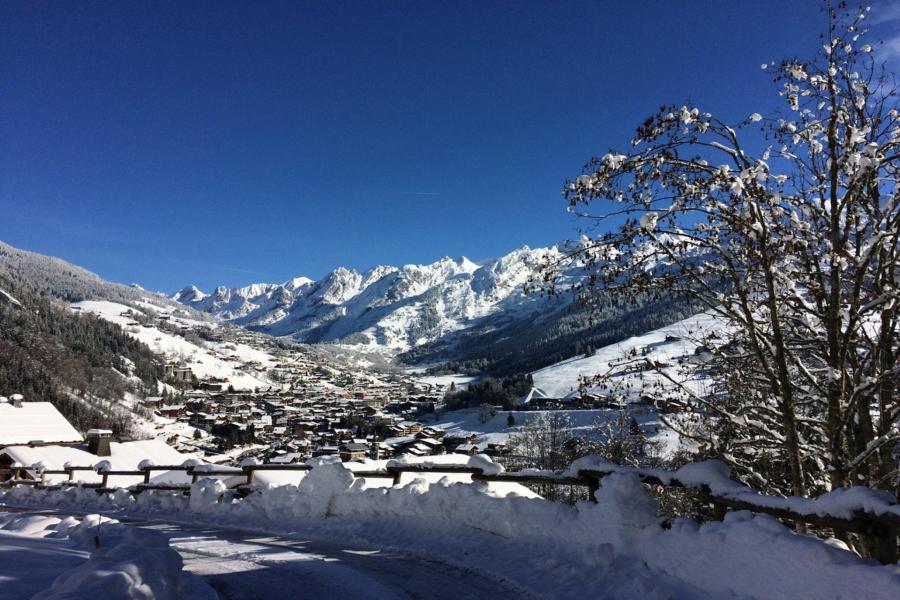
(52, 558)
(124, 456)
(267, 478)
(34, 421)
(459, 380)
(198, 358)
(562, 378)
(615, 548)
(463, 423)
(839, 503)
(386, 308)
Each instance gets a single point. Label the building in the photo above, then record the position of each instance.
(34, 423)
(122, 456)
(353, 451)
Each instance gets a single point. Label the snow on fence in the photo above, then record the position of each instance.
(857, 509)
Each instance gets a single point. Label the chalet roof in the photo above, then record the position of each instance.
(533, 394)
(124, 456)
(35, 421)
(354, 447)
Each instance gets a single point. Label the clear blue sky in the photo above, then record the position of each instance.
(166, 143)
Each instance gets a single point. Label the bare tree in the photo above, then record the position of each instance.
(793, 247)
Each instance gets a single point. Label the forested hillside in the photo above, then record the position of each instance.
(80, 363)
(522, 346)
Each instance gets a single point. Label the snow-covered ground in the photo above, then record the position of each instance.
(614, 548)
(205, 360)
(664, 346)
(56, 557)
(459, 380)
(463, 423)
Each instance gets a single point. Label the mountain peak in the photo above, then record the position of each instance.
(188, 294)
(385, 307)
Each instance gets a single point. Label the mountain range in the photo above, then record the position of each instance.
(454, 314)
(394, 309)
(473, 316)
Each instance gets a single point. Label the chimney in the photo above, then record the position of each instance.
(98, 441)
(16, 400)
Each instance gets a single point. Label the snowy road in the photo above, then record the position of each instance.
(246, 566)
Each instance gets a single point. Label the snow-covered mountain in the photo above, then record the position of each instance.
(386, 307)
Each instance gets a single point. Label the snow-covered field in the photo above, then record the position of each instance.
(530, 547)
(463, 423)
(459, 380)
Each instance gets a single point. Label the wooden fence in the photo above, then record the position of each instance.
(883, 527)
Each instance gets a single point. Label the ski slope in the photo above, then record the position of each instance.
(667, 346)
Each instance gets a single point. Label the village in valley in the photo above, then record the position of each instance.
(229, 395)
(380, 301)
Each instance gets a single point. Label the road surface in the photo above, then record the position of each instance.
(247, 566)
(241, 565)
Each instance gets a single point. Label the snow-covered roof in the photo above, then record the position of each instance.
(34, 421)
(124, 456)
(534, 393)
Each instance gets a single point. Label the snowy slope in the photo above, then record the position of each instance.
(204, 361)
(466, 422)
(673, 348)
(393, 308)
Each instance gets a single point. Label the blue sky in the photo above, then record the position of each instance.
(169, 143)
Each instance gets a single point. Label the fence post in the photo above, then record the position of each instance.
(71, 473)
(885, 543)
(397, 473)
(146, 476)
(251, 473)
(593, 480)
(105, 479)
(719, 511)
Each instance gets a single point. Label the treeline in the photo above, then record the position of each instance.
(80, 363)
(496, 392)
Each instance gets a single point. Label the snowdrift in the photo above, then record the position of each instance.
(745, 555)
(130, 564)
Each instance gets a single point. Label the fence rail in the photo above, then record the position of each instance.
(882, 526)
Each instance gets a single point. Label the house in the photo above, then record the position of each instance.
(172, 411)
(532, 397)
(32, 423)
(353, 451)
(178, 374)
(154, 402)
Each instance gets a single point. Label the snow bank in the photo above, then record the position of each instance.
(840, 503)
(131, 563)
(751, 556)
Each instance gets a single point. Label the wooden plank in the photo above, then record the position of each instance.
(514, 477)
(372, 475)
(449, 469)
(277, 467)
